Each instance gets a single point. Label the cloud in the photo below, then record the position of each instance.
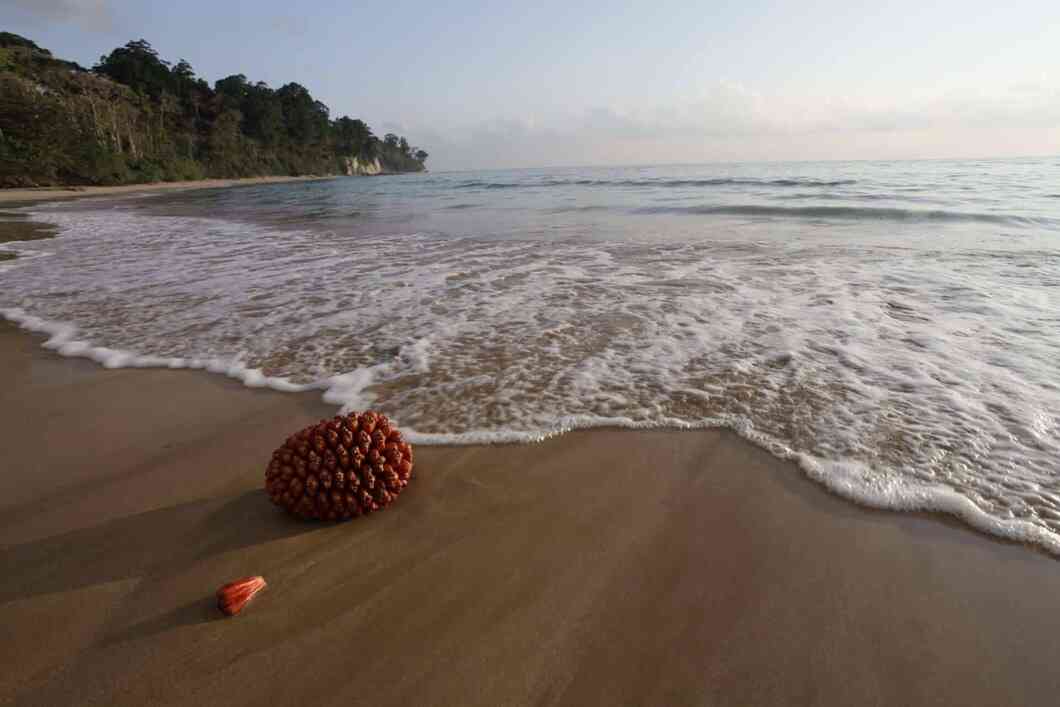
(728, 121)
(89, 14)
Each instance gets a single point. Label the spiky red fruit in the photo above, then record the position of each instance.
(340, 468)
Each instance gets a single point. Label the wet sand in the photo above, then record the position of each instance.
(609, 567)
(50, 193)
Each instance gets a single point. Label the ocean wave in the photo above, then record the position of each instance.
(857, 197)
(657, 183)
(860, 213)
(588, 208)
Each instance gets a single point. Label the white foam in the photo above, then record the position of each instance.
(61, 339)
(903, 379)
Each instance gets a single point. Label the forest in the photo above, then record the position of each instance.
(135, 117)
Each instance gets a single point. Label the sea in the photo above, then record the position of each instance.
(892, 327)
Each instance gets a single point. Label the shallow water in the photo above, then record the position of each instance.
(891, 326)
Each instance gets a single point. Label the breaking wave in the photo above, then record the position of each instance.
(655, 183)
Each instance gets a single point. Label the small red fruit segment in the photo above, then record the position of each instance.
(232, 597)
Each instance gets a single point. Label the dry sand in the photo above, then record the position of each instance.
(49, 193)
(601, 568)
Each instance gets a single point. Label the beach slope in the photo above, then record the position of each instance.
(606, 567)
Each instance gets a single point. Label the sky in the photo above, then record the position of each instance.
(548, 83)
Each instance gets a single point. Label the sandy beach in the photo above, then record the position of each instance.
(8, 196)
(676, 358)
(604, 567)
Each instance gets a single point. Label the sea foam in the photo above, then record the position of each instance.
(900, 372)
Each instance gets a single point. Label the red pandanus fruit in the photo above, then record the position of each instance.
(340, 468)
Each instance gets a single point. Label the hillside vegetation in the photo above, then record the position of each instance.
(137, 118)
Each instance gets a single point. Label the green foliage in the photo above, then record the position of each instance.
(22, 56)
(355, 138)
(182, 169)
(136, 118)
(99, 165)
(9, 39)
(138, 66)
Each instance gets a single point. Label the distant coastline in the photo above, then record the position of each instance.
(134, 118)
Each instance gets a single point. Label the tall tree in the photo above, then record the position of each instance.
(138, 65)
(352, 136)
(262, 114)
(300, 113)
(232, 90)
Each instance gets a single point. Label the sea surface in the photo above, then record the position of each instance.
(894, 327)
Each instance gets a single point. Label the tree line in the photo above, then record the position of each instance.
(136, 117)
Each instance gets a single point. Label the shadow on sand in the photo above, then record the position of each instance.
(167, 539)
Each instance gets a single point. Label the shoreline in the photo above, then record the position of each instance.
(38, 194)
(958, 514)
(599, 567)
(945, 505)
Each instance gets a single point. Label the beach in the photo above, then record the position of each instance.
(30, 195)
(597, 567)
(650, 368)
